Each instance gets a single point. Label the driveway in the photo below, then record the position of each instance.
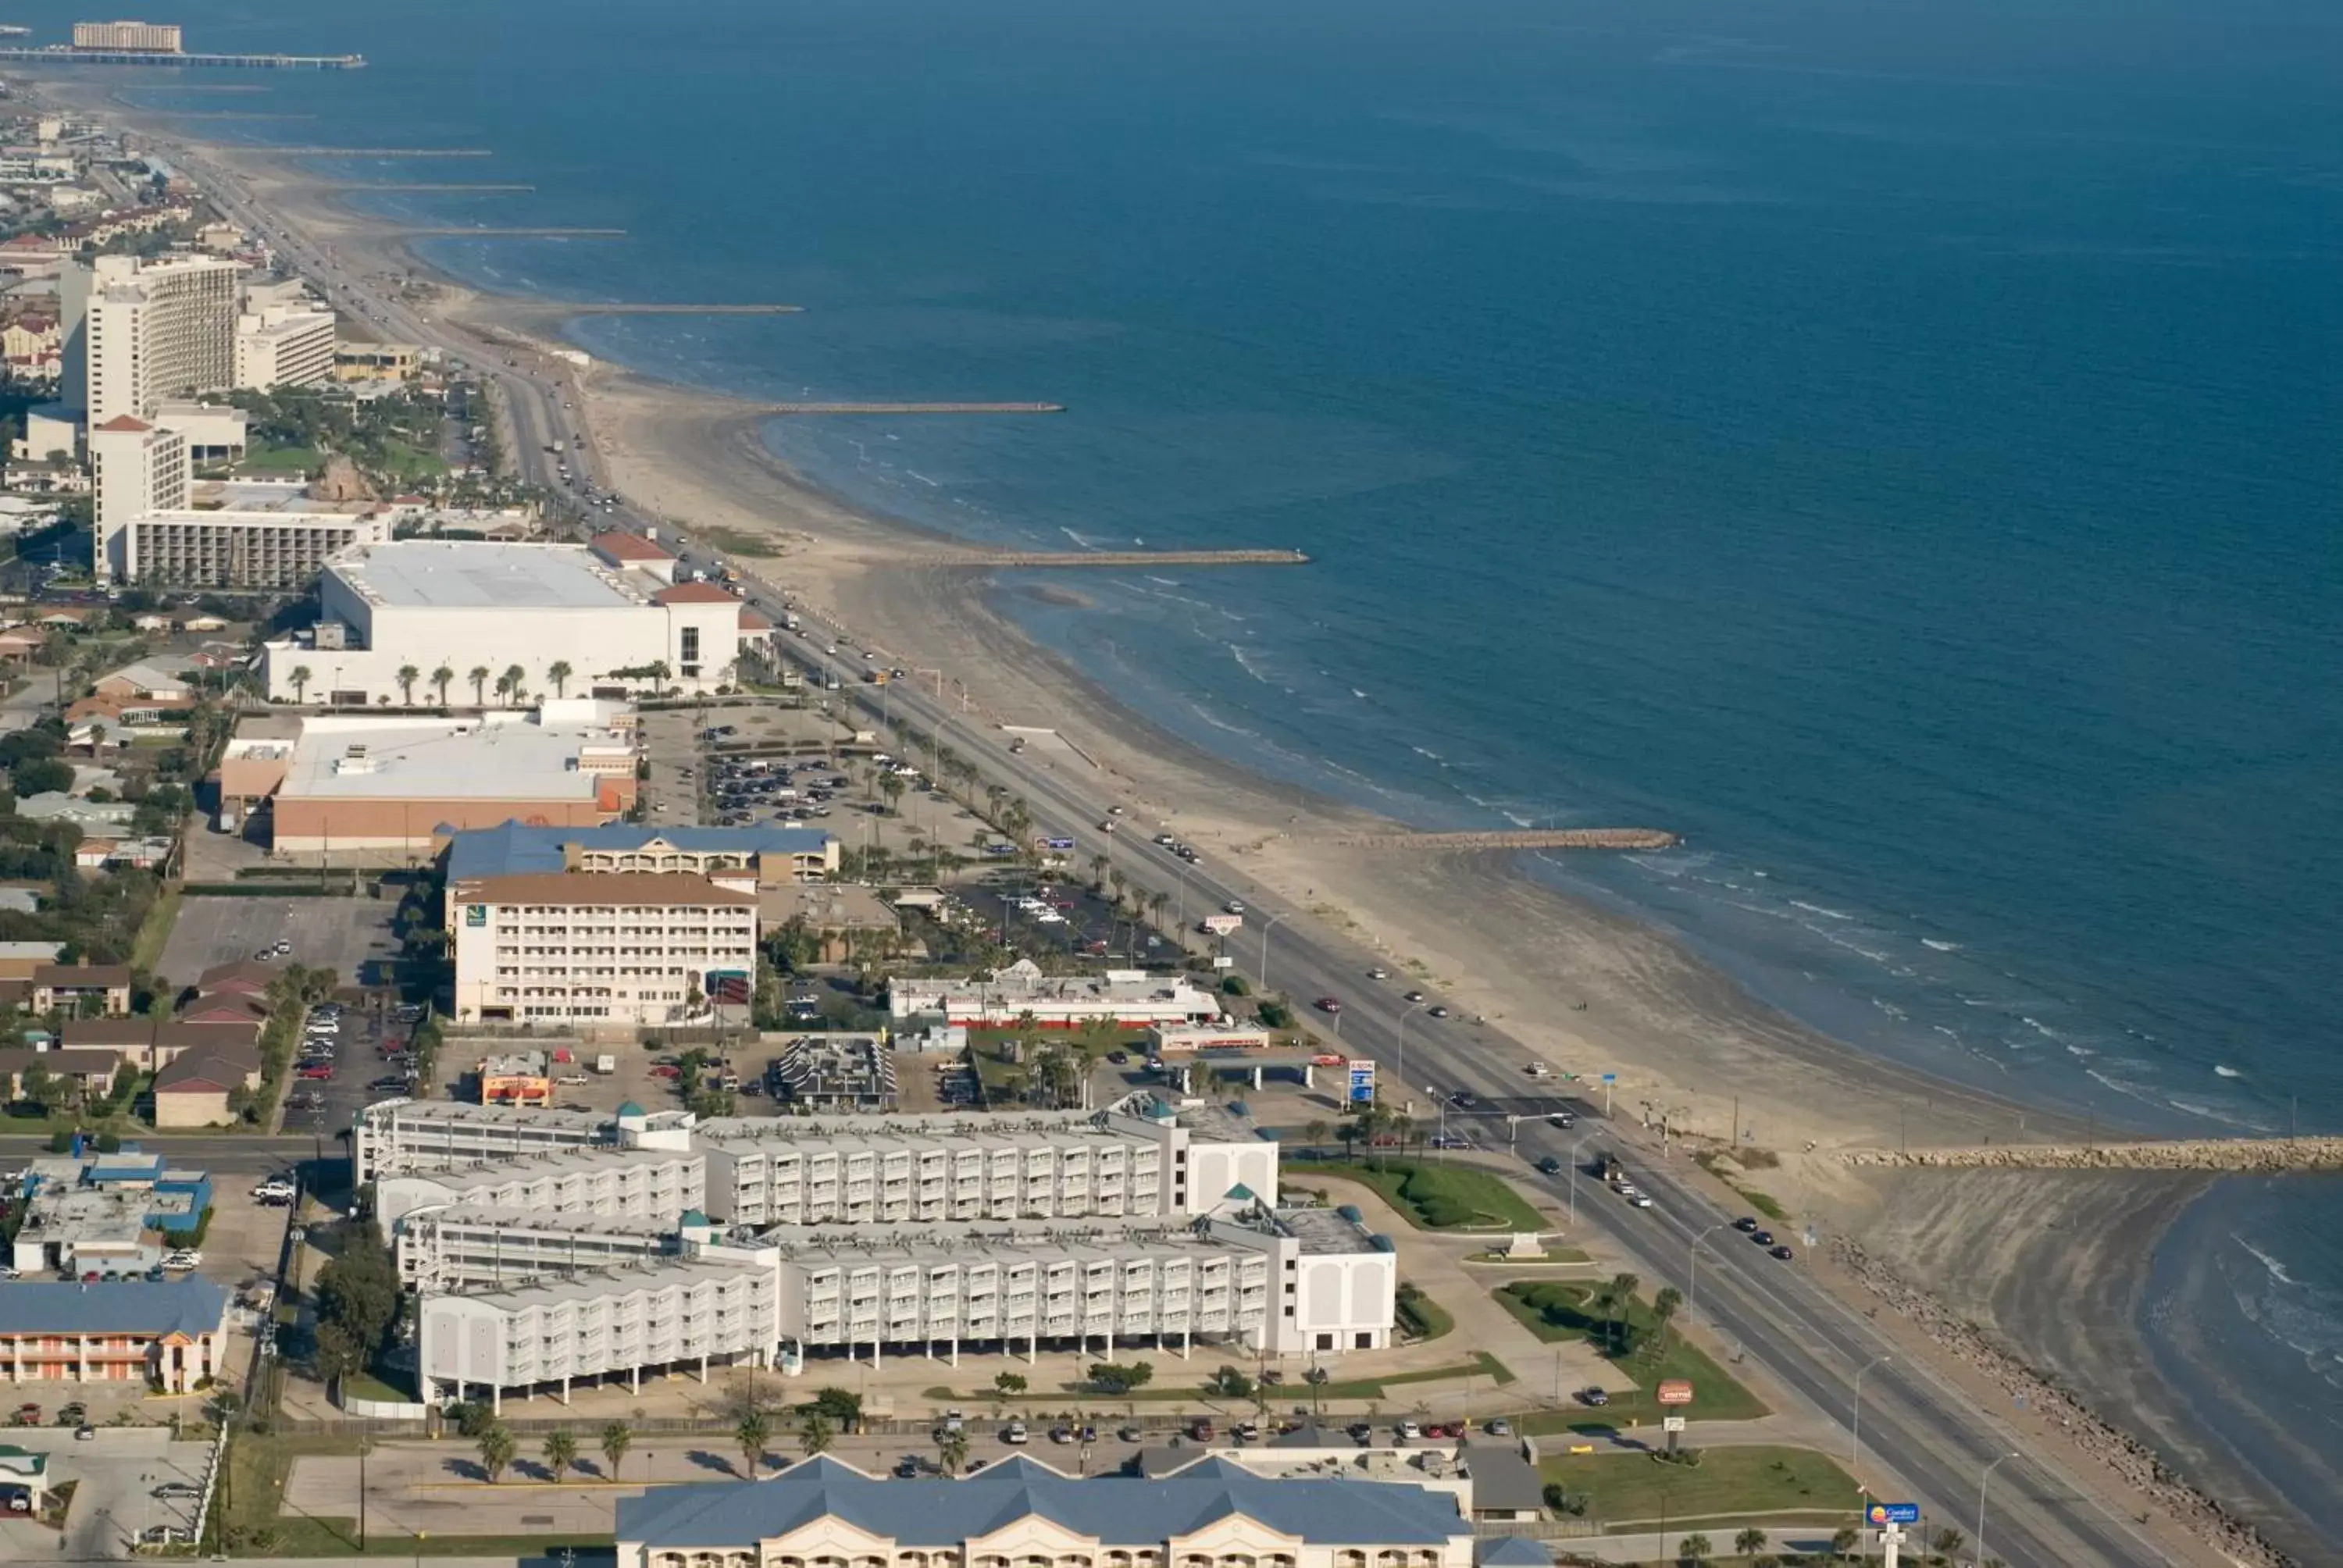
(336, 933)
(117, 1472)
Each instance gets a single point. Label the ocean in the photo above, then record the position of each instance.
(1891, 445)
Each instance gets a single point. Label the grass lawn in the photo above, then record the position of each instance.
(1728, 1483)
(281, 459)
(154, 930)
(738, 541)
(1554, 1310)
(1435, 1197)
(1293, 1391)
(985, 1047)
(1420, 1315)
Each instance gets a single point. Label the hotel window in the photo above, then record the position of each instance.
(690, 650)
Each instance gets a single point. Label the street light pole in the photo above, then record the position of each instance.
(1982, 1480)
(1265, 986)
(1400, 1070)
(1574, 1177)
(1692, 1295)
(1854, 1443)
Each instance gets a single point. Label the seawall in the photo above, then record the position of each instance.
(2264, 1155)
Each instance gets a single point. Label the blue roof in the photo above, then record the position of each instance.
(1516, 1552)
(1115, 1509)
(191, 1305)
(514, 849)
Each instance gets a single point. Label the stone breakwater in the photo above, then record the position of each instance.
(2132, 1461)
(2244, 1155)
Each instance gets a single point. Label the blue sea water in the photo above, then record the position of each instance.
(1894, 444)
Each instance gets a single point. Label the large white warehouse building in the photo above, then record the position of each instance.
(570, 618)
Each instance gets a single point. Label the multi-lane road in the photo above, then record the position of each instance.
(1920, 1439)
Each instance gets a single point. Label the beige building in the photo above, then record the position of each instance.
(393, 786)
(135, 469)
(235, 550)
(376, 361)
(128, 37)
(622, 947)
(283, 345)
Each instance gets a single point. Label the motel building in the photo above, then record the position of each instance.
(168, 1336)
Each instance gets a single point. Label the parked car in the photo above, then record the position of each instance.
(171, 1490)
(315, 1069)
(1594, 1396)
(1015, 1432)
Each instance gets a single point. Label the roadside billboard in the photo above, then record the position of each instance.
(1362, 1082)
(1674, 1391)
(1220, 925)
(1893, 1513)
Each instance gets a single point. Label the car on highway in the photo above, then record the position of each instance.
(1763, 1238)
(1746, 1224)
(1560, 1119)
(1234, 906)
(1165, 840)
(1781, 1252)
(1412, 996)
(1550, 1166)
(1330, 1005)
(1379, 972)
(1438, 1011)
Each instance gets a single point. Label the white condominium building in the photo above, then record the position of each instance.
(188, 548)
(626, 947)
(629, 1184)
(947, 1285)
(467, 1246)
(392, 1136)
(283, 345)
(134, 468)
(666, 1316)
(148, 330)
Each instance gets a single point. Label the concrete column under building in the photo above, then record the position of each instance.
(703, 1367)
(496, 1399)
(955, 1351)
(565, 1388)
(636, 1374)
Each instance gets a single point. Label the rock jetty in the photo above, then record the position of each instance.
(2260, 1156)
(2131, 1461)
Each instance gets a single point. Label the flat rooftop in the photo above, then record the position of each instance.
(472, 574)
(1324, 1231)
(246, 500)
(977, 1241)
(492, 759)
(537, 1221)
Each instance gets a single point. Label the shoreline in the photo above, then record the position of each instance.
(1491, 936)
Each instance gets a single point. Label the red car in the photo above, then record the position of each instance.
(1329, 1004)
(667, 1072)
(317, 1072)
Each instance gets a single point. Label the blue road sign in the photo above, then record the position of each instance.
(1894, 1513)
(1610, 1077)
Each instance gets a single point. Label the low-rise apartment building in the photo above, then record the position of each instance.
(627, 1183)
(670, 1315)
(471, 1246)
(628, 947)
(1131, 998)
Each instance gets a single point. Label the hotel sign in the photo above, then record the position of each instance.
(475, 914)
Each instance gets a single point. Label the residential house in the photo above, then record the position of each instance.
(91, 1073)
(173, 1336)
(19, 959)
(196, 1090)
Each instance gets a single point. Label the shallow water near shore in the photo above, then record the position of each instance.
(1894, 450)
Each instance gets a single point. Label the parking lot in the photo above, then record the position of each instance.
(117, 1469)
(341, 934)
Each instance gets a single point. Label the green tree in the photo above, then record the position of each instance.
(841, 1407)
(752, 1434)
(816, 1434)
(1620, 1298)
(1842, 1539)
(1317, 1378)
(559, 672)
(1664, 1307)
(1116, 1378)
(1950, 1541)
(892, 787)
(513, 676)
(406, 678)
(497, 1450)
(1009, 1382)
(1230, 1384)
(1750, 1542)
(560, 1453)
(1695, 1548)
(479, 680)
(440, 678)
(616, 1438)
(300, 677)
(338, 1353)
(951, 1448)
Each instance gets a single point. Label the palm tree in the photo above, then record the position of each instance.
(300, 677)
(1750, 1542)
(440, 678)
(816, 1432)
(952, 1448)
(559, 672)
(479, 680)
(496, 1449)
(752, 1434)
(511, 681)
(1695, 1548)
(616, 1438)
(1842, 1539)
(408, 675)
(1099, 864)
(1157, 902)
(1664, 1307)
(1316, 1132)
(1948, 1541)
(1622, 1294)
(1317, 1378)
(560, 1453)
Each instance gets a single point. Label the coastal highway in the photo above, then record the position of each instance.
(1921, 1437)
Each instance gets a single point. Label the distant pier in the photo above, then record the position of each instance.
(912, 408)
(1051, 560)
(570, 309)
(515, 233)
(344, 152)
(356, 185)
(1523, 838)
(220, 115)
(66, 55)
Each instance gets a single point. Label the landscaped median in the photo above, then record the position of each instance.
(1625, 1333)
(1754, 1486)
(1432, 1197)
